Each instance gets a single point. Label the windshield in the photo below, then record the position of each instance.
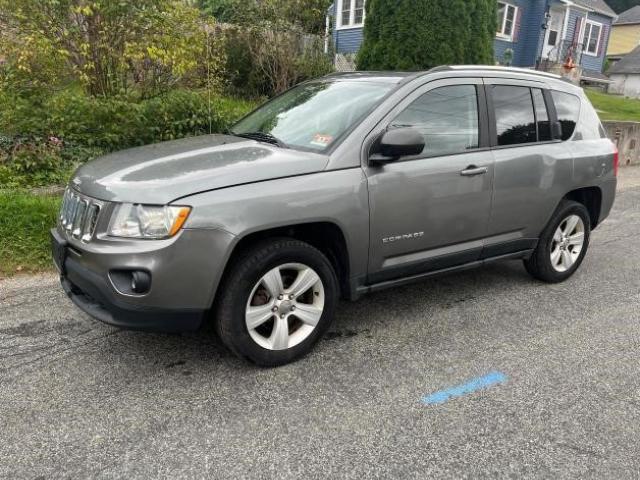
(314, 115)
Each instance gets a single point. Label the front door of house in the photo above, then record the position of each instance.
(553, 36)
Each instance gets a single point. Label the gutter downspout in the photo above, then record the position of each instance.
(327, 27)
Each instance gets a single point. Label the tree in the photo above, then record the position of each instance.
(108, 47)
(622, 5)
(420, 34)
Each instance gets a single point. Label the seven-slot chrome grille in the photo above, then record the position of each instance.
(79, 215)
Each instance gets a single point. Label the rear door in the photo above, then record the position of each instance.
(431, 211)
(532, 169)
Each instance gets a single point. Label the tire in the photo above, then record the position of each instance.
(553, 269)
(250, 287)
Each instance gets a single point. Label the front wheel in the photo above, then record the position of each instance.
(563, 244)
(276, 302)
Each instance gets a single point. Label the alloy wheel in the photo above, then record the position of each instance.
(285, 306)
(567, 243)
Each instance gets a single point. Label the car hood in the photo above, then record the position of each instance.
(163, 172)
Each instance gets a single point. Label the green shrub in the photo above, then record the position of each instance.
(34, 161)
(25, 221)
(313, 63)
(45, 138)
(265, 58)
(112, 124)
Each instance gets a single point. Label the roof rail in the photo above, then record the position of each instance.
(506, 69)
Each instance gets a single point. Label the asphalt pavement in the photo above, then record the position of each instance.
(531, 381)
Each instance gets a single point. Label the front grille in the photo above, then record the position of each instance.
(79, 215)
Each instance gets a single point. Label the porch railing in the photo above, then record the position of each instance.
(562, 53)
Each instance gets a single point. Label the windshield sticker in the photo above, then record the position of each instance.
(320, 140)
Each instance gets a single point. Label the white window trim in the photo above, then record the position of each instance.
(352, 13)
(585, 39)
(500, 33)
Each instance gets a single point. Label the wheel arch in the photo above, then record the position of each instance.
(326, 236)
(591, 198)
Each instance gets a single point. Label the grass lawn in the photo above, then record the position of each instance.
(615, 107)
(25, 220)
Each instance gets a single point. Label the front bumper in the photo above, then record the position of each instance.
(185, 272)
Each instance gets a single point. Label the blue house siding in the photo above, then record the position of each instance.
(574, 15)
(590, 62)
(500, 46)
(531, 33)
(597, 63)
(527, 44)
(348, 40)
(526, 47)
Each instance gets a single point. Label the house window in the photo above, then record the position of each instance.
(591, 38)
(351, 13)
(506, 19)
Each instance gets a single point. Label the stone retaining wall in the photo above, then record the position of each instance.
(626, 135)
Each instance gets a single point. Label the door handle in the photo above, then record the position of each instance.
(472, 171)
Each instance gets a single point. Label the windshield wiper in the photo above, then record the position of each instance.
(262, 137)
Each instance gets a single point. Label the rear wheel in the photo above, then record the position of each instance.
(563, 244)
(276, 302)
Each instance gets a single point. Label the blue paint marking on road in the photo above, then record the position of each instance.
(489, 380)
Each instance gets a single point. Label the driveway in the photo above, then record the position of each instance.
(83, 400)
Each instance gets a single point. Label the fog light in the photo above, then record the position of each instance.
(131, 282)
(140, 282)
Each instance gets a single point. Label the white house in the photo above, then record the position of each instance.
(625, 75)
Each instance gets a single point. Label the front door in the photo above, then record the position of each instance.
(431, 211)
(552, 47)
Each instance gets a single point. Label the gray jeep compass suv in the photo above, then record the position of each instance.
(341, 186)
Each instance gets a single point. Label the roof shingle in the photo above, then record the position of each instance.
(599, 6)
(630, 63)
(629, 16)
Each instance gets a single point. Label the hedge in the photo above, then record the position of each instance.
(42, 139)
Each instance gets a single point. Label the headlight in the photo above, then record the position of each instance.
(147, 221)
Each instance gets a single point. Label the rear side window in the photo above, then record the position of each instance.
(447, 117)
(542, 116)
(515, 118)
(568, 109)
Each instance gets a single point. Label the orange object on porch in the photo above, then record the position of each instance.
(569, 64)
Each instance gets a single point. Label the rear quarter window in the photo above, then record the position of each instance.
(568, 110)
(589, 126)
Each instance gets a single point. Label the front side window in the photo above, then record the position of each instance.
(592, 35)
(313, 116)
(447, 117)
(568, 110)
(506, 19)
(352, 13)
(515, 118)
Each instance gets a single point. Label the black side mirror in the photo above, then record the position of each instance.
(556, 130)
(398, 142)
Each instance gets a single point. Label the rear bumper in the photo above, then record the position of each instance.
(608, 189)
(184, 270)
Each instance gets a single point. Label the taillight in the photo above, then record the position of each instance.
(616, 161)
